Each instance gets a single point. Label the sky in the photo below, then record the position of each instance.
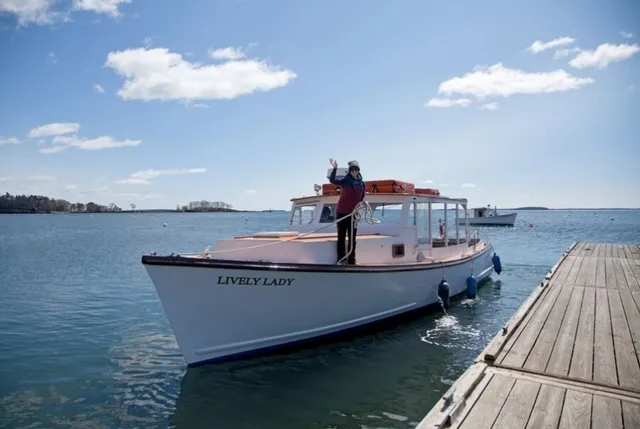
(159, 103)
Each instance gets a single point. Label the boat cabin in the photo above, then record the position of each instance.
(484, 211)
(405, 225)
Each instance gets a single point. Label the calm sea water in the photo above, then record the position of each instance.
(84, 341)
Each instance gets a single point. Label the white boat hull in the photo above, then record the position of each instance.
(498, 220)
(220, 310)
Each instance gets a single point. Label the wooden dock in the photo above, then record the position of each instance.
(569, 357)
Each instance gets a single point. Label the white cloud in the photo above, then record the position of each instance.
(29, 11)
(40, 178)
(109, 7)
(626, 35)
(5, 179)
(539, 46)
(157, 74)
(446, 102)
(55, 129)
(229, 53)
(144, 177)
(250, 191)
(468, 185)
(98, 88)
(41, 12)
(9, 140)
(604, 55)
(61, 143)
(51, 56)
(427, 181)
(563, 53)
(70, 187)
(498, 80)
(492, 107)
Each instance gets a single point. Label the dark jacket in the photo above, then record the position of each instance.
(351, 192)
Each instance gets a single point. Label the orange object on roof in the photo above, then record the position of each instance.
(427, 191)
(330, 189)
(389, 187)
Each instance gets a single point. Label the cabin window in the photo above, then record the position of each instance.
(422, 223)
(328, 213)
(387, 213)
(397, 250)
(302, 215)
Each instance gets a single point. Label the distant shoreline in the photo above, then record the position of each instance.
(127, 211)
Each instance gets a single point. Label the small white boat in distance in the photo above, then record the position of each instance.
(265, 291)
(485, 216)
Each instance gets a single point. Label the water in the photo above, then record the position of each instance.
(85, 343)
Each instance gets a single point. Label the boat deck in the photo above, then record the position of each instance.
(568, 358)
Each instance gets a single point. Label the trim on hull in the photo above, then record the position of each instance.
(182, 261)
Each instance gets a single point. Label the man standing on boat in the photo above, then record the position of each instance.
(352, 191)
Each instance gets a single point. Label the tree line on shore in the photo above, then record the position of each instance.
(205, 206)
(41, 204)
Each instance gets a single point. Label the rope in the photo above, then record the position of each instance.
(354, 215)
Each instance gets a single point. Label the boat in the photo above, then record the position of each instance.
(485, 216)
(258, 293)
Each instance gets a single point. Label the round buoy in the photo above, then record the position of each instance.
(472, 286)
(164, 224)
(443, 293)
(497, 265)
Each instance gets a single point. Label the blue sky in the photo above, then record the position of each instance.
(164, 102)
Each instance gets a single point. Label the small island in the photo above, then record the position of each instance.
(531, 208)
(24, 204)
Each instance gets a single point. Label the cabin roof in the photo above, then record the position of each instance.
(381, 197)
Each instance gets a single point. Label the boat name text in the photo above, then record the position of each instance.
(254, 281)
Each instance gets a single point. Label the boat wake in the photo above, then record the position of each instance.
(448, 332)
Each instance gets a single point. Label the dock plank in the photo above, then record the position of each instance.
(560, 358)
(610, 274)
(548, 408)
(626, 359)
(607, 413)
(582, 358)
(573, 273)
(621, 279)
(486, 409)
(601, 273)
(633, 318)
(576, 411)
(541, 350)
(632, 281)
(570, 355)
(523, 343)
(604, 362)
(517, 408)
(614, 251)
(631, 415)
